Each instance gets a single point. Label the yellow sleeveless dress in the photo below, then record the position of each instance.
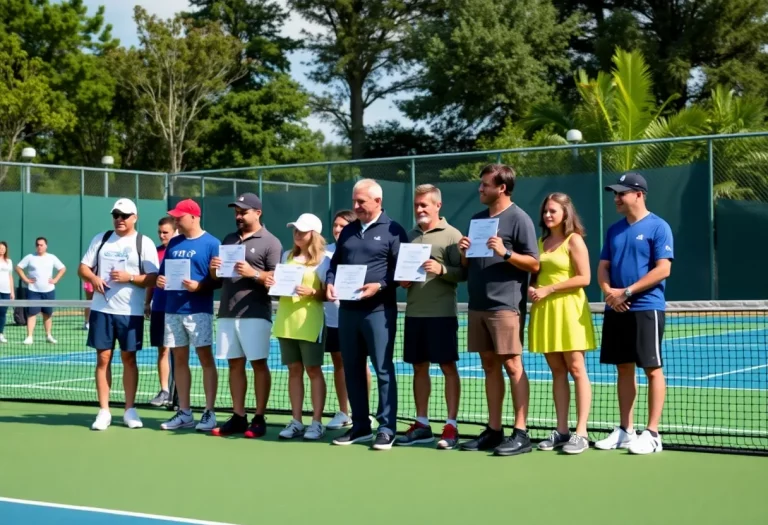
(561, 322)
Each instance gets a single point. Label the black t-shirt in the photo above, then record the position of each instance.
(496, 284)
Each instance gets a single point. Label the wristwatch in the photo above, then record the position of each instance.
(507, 255)
(627, 292)
(132, 278)
(256, 277)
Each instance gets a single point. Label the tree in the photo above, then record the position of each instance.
(359, 44)
(391, 139)
(178, 71)
(485, 61)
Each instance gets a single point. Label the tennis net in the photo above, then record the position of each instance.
(715, 361)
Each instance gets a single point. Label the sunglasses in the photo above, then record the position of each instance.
(124, 216)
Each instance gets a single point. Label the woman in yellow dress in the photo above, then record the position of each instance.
(561, 324)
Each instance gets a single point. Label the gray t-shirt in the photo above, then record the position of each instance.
(246, 298)
(496, 284)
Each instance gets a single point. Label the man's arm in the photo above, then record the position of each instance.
(400, 237)
(454, 270)
(59, 274)
(661, 271)
(604, 276)
(527, 246)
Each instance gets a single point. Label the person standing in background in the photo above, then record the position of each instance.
(154, 311)
(42, 286)
(6, 286)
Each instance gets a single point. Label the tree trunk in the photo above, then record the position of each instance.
(356, 109)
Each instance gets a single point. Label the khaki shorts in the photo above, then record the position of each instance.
(496, 331)
(299, 351)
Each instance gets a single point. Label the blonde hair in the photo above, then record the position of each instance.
(424, 189)
(316, 250)
(571, 220)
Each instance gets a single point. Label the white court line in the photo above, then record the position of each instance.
(741, 370)
(109, 511)
(719, 334)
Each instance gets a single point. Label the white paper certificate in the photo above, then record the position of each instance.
(350, 278)
(480, 230)
(176, 271)
(230, 255)
(410, 260)
(287, 277)
(110, 264)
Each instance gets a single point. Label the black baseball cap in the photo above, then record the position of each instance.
(247, 201)
(629, 182)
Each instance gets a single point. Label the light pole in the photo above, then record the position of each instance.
(28, 154)
(107, 161)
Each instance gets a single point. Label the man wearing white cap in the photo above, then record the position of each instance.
(119, 264)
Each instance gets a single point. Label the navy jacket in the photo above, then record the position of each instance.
(377, 248)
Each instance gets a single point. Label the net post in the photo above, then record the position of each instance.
(600, 193)
(711, 217)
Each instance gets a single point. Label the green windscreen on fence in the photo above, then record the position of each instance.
(742, 251)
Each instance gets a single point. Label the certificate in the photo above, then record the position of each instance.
(410, 260)
(230, 255)
(176, 271)
(480, 230)
(109, 265)
(350, 278)
(287, 277)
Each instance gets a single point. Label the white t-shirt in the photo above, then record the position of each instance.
(6, 267)
(331, 308)
(124, 298)
(40, 268)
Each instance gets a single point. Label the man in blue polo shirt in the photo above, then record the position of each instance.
(189, 314)
(367, 326)
(634, 265)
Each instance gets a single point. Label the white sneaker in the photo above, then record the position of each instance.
(3, 339)
(207, 422)
(315, 431)
(292, 430)
(616, 439)
(646, 444)
(132, 419)
(103, 420)
(340, 420)
(51, 340)
(179, 420)
(28, 341)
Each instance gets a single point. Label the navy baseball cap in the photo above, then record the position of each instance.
(247, 201)
(629, 182)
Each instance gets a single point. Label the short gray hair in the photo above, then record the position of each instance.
(424, 189)
(374, 190)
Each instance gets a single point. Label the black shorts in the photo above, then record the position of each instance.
(40, 296)
(632, 337)
(105, 330)
(332, 339)
(157, 329)
(431, 339)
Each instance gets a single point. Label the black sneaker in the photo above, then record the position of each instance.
(417, 433)
(258, 427)
(488, 440)
(383, 441)
(234, 425)
(517, 443)
(353, 436)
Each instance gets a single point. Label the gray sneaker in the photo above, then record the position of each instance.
(417, 433)
(161, 399)
(576, 445)
(555, 440)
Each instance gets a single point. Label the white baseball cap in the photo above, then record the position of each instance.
(307, 222)
(125, 206)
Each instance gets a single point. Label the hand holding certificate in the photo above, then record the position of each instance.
(230, 255)
(176, 272)
(287, 277)
(410, 262)
(480, 230)
(350, 278)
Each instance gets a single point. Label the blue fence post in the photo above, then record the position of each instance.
(711, 210)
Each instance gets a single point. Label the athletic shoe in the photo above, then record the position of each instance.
(417, 433)
(315, 431)
(576, 445)
(207, 422)
(179, 420)
(353, 436)
(85, 327)
(489, 439)
(449, 439)
(292, 430)
(258, 427)
(518, 442)
(51, 340)
(616, 439)
(555, 440)
(28, 341)
(646, 444)
(3, 339)
(132, 419)
(161, 399)
(234, 425)
(340, 420)
(103, 420)
(383, 441)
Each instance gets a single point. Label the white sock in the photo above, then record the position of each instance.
(423, 420)
(452, 422)
(187, 412)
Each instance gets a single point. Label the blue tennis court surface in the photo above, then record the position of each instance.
(18, 512)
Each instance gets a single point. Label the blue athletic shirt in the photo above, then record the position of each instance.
(199, 251)
(633, 250)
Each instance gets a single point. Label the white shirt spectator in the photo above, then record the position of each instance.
(6, 267)
(41, 268)
(331, 308)
(123, 298)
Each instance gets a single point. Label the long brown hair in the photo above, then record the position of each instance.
(6, 250)
(571, 220)
(316, 250)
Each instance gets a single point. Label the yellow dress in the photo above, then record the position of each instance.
(561, 322)
(301, 318)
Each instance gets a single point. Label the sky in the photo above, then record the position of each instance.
(119, 13)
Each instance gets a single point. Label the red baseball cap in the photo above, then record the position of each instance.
(186, 207)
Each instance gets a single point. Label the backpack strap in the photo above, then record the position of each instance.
(104, 240)
(139, 242)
